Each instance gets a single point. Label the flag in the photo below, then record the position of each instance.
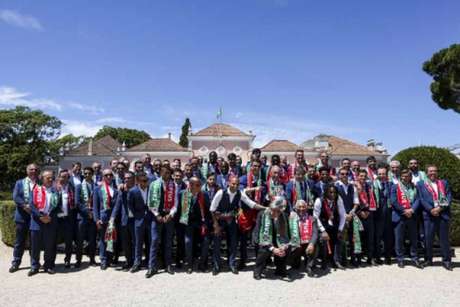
(219, 114)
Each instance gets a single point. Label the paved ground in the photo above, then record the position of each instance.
(379, 286)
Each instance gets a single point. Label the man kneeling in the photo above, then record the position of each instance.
(272, 235)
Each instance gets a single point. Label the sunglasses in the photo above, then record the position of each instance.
(108, 175)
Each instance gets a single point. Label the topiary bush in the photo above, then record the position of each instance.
(448, 164)
(455, 225)
(7, 225)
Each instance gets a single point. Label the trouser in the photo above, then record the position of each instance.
(139, 238)
(420, 228)
(68, 228)
(22, 229)
(440, 227)
(104, 255)
(379, 224)
(231, 232)
(44, 238)
(296, 256)
(86, 230)
(368, 235)
(388, 233)
(264, 255)
(243, 239)
(331, 250)
(180, 240)
(118, 245)
(161, 232)
(400, 227)
(192, 235)
(127, 241)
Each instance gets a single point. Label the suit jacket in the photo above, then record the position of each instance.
(138, 207)
(35, 223)
(20, 215)
(289, 192)
(427, 203)
(398, 209)
(195, 211)
(99, 213)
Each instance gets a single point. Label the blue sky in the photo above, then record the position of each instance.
(287, 69)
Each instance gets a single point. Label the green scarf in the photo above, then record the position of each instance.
(357, 227)
(294, 229)
(409, 191)
(26, 189)
(154, 198)
(106, 198)
(186, 204)
(266, 230)
(85, 191)
(377, 187)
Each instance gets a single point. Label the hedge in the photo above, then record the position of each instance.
(7, 225)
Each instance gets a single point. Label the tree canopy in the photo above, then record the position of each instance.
(131, 137)
(25, 136)
(444, 67)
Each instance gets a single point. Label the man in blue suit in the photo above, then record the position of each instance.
(298, 188)
(86, 224)
(44, 205)
(123, 210)
(22, 195)
(196, 218)
(104, 200)
(436, 199)
(405, 202)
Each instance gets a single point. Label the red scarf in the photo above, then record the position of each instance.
(203, 210)
(402, 198)
(39, 198)
(258, 193)
(367, 198)
(107, 191)
(70, 197)
(370, 173)
(306, 229)
(441, 189)
(328, 211)
(169, 195)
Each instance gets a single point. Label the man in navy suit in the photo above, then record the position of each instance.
(324, 179)
(298, 188)
(67, 215)
(104, 200)
(196, 218)
(86, 224)
(22, 195)
(44, 205)
(436, 199)
(126, 219)
(405, 202)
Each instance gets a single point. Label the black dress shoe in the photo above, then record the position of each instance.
(215, 271)
(339, 266)
(428, 263)
(150, 273)
(50, 271)
(77, 265)
(417, 264)
(388, 261)
(234, 270)
(103, 266)
(92, 262)
(241, 265)
(13, 268)
(401, 264)
(379, 261)
(126, 267)
(257, 276)
(189, 270)
(32, 272)
(67, 264)
(170, 270)
(135, 268)
(447, 265)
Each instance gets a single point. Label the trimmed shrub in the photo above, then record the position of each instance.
(7, 225)
(448, 164)
(455, 225)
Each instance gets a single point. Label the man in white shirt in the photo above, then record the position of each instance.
(224, 209)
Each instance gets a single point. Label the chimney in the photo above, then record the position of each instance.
(123, 146)
(371, 145)
(169, 135)
(90, 147)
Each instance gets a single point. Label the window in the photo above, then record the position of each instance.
(203, 150)
(221, 150)
(237, 150)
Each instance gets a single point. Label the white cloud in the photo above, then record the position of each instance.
(86, 108)
(17, 19)
(116, 120)
(9, 96)
(79, 128)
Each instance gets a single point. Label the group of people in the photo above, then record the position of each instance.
(160, 215)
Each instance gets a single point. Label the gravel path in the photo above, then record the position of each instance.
(379, 286)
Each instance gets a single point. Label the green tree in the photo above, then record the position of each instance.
(183, 141)
(67, 142)
(444, 67)
(131, 137)
(448, 164)
(25, 136)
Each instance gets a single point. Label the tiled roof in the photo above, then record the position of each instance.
(220, 130)
(279, 145)
(158, 144)
(105, 146)
(340, 146)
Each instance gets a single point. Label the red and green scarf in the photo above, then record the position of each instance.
(274, 190)
(250, 183)
(439, 196)
(106, 197)
(39, 199)
(366, 196)
(169, 195)
(405, 195)
(186, 205)
(26, 189)
(301, 228)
